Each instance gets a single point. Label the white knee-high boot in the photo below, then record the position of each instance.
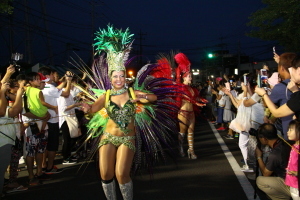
(109, 188)
(191, 153)
(127, 190)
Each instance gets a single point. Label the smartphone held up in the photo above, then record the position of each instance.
(227, 85)
(245, 80)
(262, 79)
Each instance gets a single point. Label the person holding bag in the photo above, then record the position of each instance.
(242, 125)
(68, 124)
(249, 115)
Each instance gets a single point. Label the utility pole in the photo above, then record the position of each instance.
(68, 48)
(93, 24)
(11, 41)
(222, 45)
(49, 46)
(239, 53)
(141, 46)
(93, 28)
(28, 38)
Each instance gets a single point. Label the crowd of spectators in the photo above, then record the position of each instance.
(262, 113)
(38, 112)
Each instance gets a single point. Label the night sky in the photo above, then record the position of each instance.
(194, 27)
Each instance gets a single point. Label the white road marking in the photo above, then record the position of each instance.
(246, 185)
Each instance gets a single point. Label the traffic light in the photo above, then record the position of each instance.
(218, 53)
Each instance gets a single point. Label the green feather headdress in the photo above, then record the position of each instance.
(117, 45)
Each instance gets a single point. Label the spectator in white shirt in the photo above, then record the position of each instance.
(51, 93)
(66, 109)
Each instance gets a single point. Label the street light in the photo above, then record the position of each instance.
(236, 71)
(130, 73)
(196, 72)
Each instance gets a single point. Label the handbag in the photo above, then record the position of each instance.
(242, 121)
(73, 125)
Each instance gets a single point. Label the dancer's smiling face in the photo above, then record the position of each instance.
(187, 79)
(118, 79)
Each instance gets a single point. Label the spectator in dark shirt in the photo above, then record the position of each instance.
(292, 106)
(280, 94)
(273, 170)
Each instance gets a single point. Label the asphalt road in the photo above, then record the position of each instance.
(215, 175)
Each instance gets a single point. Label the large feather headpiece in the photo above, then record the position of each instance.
(117, 45)
(183, 66)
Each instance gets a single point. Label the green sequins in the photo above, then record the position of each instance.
(114, 92)
(121, 116)
(117, 141)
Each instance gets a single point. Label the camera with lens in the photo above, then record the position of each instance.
(253, 132)
(15, 57)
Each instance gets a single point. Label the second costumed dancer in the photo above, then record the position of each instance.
(177, 67)
(187, 111)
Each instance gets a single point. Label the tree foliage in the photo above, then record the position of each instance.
(278, 21)
(5, 7)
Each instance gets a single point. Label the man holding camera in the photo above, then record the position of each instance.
(51, 94)
(273, 170)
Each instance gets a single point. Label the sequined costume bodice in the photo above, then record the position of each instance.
(122, 116)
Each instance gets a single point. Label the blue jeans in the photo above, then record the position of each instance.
(220, 111)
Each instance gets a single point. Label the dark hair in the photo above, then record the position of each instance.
(267, 131)
(286, 60)
(296, 62)
(222, 82)
(45, 71)
(21, 77)
(31, 76)
(252, 80)
(296, 124)
(239, 90)
(12, 83)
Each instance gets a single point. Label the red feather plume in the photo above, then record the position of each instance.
(183, 65)
(163, 70)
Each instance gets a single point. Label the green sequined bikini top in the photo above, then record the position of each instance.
(122, 116)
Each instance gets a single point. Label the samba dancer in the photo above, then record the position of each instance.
(190, 98)
(123, 117)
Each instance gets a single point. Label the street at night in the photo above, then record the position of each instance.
(215, 175)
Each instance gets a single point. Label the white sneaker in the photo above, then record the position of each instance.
(21, 161)
(68, 162)
(246, 168)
